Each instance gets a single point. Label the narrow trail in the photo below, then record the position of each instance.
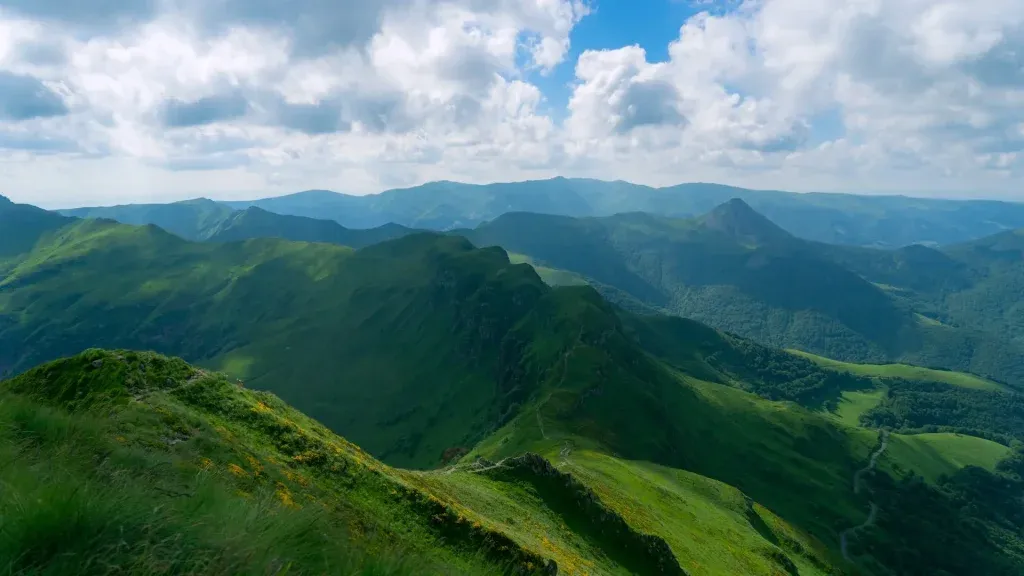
(540, 421)
(474, 467)
(565, 372)
(844, 536)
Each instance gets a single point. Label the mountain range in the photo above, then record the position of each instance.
(952, 307)
(955, 307)
(543, 428)
(877, 221)
(207, 220)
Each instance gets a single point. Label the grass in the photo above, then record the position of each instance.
(934, 455)
(788, 461)
(201, 475)
(168, 470)
(714, 527)
(550, 276)
(907, 372)
(854, 403)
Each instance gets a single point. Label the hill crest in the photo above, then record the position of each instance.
(738, 220)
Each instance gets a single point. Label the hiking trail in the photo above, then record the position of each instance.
(844, 536)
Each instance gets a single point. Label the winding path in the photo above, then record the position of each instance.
(857, 483)
(561, 382)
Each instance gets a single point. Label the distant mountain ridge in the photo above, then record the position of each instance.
(205, 220)
(190, 219)
(254, 222)
(879, 221)
(957, 308)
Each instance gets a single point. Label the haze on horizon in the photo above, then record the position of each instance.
(162, 100)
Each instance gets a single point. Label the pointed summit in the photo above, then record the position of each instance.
(737, 219)
(5, 200)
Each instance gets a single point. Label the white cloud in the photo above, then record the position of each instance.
(232, 97)
(930, 90)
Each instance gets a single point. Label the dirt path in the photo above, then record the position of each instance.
(565, 372)
(844, 536)
(540, 421)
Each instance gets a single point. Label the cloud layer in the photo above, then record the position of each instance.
(124, 100)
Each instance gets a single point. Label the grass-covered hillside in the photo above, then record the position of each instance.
(739, 272)
(398, 345)
(665, 445)
(144, 464)
(125, 462)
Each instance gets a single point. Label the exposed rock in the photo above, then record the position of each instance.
(97, 363)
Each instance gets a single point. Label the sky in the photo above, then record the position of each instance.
(117, 101)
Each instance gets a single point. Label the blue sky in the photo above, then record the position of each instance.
(612, 24)
(156, 100)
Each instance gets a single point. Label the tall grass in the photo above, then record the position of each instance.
(73, 502)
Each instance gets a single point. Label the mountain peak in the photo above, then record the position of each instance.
(737, 219)
(5, 200)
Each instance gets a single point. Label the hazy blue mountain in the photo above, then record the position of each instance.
(255, 222)
(206, 220)
(878, 221)
(190, 219)
(881, 221)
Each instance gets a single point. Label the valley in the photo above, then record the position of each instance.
(480, 402)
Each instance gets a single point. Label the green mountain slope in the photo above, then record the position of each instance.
(735, 270)
(424, 347)
(318, 323)
(23, 227)
(271, 488)
(198, 475)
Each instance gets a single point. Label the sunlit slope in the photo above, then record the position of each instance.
(906, 371)
(934, 455)
(143, 464)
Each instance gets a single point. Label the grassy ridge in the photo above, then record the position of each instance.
(314, 322)
(907, 372)
(273, 491)
(133, 478)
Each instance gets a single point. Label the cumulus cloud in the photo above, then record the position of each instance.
(917, 85)
(365, 94)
